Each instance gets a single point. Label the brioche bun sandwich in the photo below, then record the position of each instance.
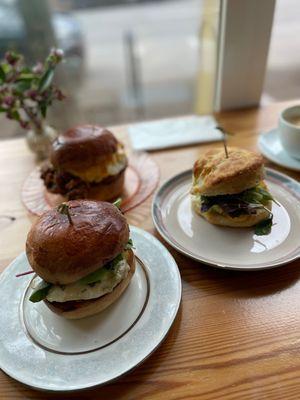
(229, 190)
(82, 255)
(86, 161)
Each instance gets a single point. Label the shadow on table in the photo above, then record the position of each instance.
(240, 284)
(211, 281)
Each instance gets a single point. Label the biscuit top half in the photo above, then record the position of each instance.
(214, 174)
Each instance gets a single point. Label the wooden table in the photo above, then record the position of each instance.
(237, 334)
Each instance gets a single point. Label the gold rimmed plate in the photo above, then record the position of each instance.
(47, 352)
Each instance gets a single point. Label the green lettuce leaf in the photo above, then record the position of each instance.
(98, 275)
(118, 202)
(257, 195)
(41, 293)
(264, 227)
(95, 276)
(129, 245)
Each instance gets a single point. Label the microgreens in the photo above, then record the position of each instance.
(118, 203)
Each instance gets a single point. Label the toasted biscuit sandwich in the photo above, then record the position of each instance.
(230, 191)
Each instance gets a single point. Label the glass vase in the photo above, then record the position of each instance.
(39, 140)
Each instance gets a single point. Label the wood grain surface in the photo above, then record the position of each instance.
(237, 334)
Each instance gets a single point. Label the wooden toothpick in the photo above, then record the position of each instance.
(63, 208)
(225, 133)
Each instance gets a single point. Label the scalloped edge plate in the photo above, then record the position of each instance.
(141, 179)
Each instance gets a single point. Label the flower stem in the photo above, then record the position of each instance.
(34, 120)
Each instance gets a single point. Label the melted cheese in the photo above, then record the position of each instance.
(79, 291)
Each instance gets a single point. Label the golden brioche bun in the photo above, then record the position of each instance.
(108, 189)
(82, 147)
(214, 174)
(86, 308)
(225, 220)
(62, 253)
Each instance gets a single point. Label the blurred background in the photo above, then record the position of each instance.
(131, 60)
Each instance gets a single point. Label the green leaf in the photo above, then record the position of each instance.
(267, 196)
(23, 85)
(26, 77)
(43, 108)
(112, 264)
(116, 260)
(26, 70)
(257, 195)
(264, 227)
(129, 245)
(98, 275)
(2, 74)
(6, 68)
(46, 80)
(15, 115)
(118, 203)
(252, 196)
(94, 276)
(41, 293)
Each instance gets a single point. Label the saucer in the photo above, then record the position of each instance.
(270, 146)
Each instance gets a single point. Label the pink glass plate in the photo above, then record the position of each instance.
(141, 179)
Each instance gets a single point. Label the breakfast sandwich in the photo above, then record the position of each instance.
(86, 162)
(82, 255)
(229, 190)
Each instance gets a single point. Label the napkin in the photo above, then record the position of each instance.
(172, 132)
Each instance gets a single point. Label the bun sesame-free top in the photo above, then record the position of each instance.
(82, 255)
(63, 252)
(82, 147)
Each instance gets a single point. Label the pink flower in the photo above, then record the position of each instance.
(9, 100)
(24, 124)
(38, 68)
(32, 93)
(12, 58)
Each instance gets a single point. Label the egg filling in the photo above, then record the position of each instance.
(84, 289)
(112, 165)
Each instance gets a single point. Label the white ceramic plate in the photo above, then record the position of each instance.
(270, 146)
(45, 351)
(223, 247)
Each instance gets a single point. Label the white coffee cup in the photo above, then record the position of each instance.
(289, 130)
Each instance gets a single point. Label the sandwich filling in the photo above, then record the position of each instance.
(75, 184)
(247, 202)
(92, 286)
(235, 205)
